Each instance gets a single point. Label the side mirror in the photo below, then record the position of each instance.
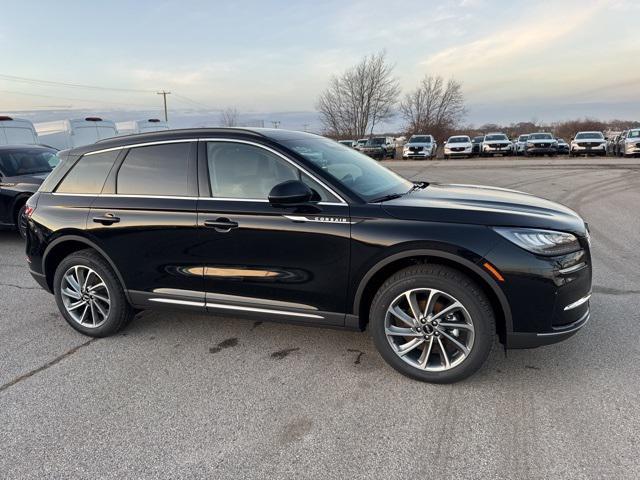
(291, 192)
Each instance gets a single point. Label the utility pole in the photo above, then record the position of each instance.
(276, 123)
(164, 97)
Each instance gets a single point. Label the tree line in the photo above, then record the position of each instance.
(368, 93)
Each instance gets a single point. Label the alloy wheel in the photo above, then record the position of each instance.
(85, 296)
(429, 329)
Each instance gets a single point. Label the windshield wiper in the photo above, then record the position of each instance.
(384, 198)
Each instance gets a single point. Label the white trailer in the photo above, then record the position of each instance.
(141, 126)
(17, 131)
(63, 134)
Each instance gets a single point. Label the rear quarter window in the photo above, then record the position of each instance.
(88, 174)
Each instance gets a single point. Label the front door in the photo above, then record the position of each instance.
(259, 259)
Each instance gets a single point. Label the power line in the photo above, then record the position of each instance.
(78, 99)
(194, 102)
(36, 81)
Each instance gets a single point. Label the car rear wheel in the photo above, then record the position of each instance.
(432, 323)
(90, 296)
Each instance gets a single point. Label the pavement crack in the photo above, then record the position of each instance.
(21, 287)
(47, 365)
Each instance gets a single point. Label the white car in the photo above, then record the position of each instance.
(420, 146)
(631, 143)
(521, 144)
(458, 145)
(496, 144)
(588, 143)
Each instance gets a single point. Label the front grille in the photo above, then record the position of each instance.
(496, 145)
(415, 149)
(585, 144)
(543, 145)
(457, 149)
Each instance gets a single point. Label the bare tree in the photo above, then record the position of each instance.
(229, 117)
(436, 106)
(360, 98)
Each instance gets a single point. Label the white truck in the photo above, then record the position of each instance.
(141, 126)
(63, 134)
(17, 131)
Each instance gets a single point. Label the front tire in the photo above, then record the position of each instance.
(432, 323)
(90, 296)
(21, 221)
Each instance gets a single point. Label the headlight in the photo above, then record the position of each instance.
(541, 242)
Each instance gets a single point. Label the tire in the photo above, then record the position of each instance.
(21, 221)
(452, 285)
(109, 317)
(446, 157)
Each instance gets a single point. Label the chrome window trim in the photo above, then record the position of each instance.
(135, 145)
(206, 139)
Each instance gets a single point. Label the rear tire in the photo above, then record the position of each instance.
(90, 296)
(472, 325)
(21, 221)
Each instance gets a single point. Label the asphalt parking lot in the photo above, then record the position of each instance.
(179, 395)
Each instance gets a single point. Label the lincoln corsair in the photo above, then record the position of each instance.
(274, 224)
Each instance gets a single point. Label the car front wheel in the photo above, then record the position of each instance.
(90, 296)
(432, 323)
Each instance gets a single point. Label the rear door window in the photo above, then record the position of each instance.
(20, 136)
(88, 174)
(161, 170)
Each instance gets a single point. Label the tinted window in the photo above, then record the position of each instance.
(237, 170)
(459, 140)
(496, 137)
(420, 139)
(88, 174)
(27, 161)
(156, 170)
(594, 135)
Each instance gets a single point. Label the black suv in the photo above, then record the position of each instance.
(293, 226)
(22, 170)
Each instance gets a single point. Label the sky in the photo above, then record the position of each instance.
(516, 60)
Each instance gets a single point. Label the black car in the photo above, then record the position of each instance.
(22, 170)
(477, 145)
(291, 226)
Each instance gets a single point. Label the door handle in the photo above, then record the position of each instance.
(107, 219)
(221, 224)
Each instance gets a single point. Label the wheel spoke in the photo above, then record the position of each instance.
(86, 279)
(402, 332)
(462, 326)
(71, 293)
(72, 282)
(80, 277)
(413, 304)
(410, 345)
(445, 357)
(93, 314)
(75, 305)
(431, 302)
(101, 310)
(424, 358)
(456, 342)
(449, 309)
(101, 298)
(84, 313)
(96, 286)
(398, 313)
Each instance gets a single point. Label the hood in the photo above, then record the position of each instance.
(418, 144)
(501, 142)
(458, 144)
(33, 178)
(481, 205)
(542, 140)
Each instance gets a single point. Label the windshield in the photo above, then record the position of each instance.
(27, 161)
(523, 138)
(496, 137)
(420, 139)
(585, 135)
(355, 171)
(458, 140)
(376, 141)
(540, 136)
(477, 139)
(634, 134)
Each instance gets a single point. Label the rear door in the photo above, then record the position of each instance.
(146, 221)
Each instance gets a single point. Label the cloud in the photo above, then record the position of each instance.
(532, 31)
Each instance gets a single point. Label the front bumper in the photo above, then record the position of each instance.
(451, 152)
(420, 154)
(374, 153)
(541, 150)
(548, 296)
(632, 148)
(593, 150)
(506, 150)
